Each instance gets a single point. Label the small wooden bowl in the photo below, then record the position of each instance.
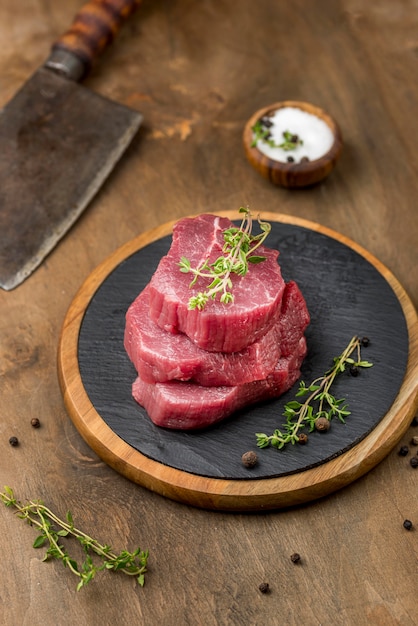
(293, 175)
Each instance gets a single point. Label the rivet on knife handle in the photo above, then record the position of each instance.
(93, 29)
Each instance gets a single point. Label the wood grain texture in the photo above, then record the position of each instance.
(293, 175)
(227, 494)
(94, 27)
(198, 71)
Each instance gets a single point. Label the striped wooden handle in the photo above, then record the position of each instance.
(94, 28)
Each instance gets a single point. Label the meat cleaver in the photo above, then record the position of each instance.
(58, 142)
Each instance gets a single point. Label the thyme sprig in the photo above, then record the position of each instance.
(319, 403)
(262, 132)
(291, 141)
(238, 252)
(53, 529)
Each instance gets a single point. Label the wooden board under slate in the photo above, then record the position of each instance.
(348, 293)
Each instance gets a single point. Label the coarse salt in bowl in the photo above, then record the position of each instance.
(292, 144)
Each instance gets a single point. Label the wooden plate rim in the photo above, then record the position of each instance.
(224, 494)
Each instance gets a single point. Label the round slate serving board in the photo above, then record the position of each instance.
(348, 292)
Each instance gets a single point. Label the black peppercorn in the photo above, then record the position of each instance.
(302, 439)
(414, 461)
(322, 424)
(295, 557)
(403, 451)
(294, 138)
(265, 121)
(290, 159)
(264, 587)
(415, 421)
(14, 441)
(354, 370)
(365, 342)
(249, 459)
(407, 524)
(35, 422)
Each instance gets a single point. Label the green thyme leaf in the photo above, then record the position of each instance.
(256, 259)
(39, 541)
(262, 133)
(52, 528)
(320, 402)
(238, 252)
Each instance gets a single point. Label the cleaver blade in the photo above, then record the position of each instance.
(59, 141)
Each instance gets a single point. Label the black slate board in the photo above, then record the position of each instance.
(346, 296)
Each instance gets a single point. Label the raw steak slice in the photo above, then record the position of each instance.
(219, 327)
(294, 318)
(159, 356)
(187, 406)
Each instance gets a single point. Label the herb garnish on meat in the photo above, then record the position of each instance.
(238, 251)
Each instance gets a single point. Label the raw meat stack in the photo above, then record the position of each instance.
(197, 367)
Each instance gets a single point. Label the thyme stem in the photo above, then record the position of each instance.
(261, 130)
(52, 528)
(238, 252)
(300, 414)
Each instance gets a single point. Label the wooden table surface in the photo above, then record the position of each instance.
(197, 71)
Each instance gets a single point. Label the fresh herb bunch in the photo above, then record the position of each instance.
(262, 132)
(238, 251)
(53, 529)
(319, 404)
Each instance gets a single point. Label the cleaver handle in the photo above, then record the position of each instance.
(93, 29)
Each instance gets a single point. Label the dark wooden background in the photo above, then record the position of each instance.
(197, 70)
